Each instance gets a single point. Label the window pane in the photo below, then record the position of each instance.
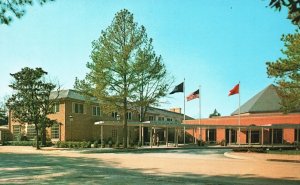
(55, 131)
(98, 111)
(31, 131)
(81, 108)
(76, 108)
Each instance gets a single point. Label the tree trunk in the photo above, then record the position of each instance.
(125, 124)
(44, 136)
(37, 137)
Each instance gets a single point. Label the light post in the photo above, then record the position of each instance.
(71, 120)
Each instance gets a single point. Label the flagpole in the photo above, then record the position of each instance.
(184, 99)
(239, 113)
(184, 110)
(199, 104)
(200, 135)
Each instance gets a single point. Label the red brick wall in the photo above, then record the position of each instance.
(220, 134)
(288, 135)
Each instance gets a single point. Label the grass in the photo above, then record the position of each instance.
(287, 152)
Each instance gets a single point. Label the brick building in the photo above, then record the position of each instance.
(261, 122)
(77, 118)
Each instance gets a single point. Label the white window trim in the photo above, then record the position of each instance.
(127, 115)
(73, 108)
(96, 110)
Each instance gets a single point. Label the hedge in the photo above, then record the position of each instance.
(25, 143)
(72, 144)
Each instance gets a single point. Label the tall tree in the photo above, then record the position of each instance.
(119, 58)
(286, 72)
(15, 8)
(153, 80)
(3, 112)
(28, 102)
(293, 8)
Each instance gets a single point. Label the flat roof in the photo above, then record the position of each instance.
(175, 124)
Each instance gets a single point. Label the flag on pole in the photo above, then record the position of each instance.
(193, 95)
(178, 88)
(235, 90)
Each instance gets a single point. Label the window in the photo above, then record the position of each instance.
(78, 108)
(55, 131)
(30, 131)
(129, 116)
(114, 114)
(151, 118)
(296, 135)
(55, 107)
(169, 119)
(161, 119)
(211, 135)
(16, 129)
(114, 133)
(96, 111)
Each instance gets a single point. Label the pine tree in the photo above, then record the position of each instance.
(286, 72)
(119, 58)
(30, 99)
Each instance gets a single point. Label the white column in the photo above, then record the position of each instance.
(177, 136)
(272, 141)
(298, 135)
(184, 135)
(142, 136)
(167, 136)
(101, 136)
(262, 136)
(151, 138)
(229, 136)
(249, 136)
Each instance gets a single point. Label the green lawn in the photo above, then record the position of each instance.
(288, 152)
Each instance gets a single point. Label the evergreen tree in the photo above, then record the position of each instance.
(293, 9)
(153, 81)
(15, 8)
(30, 99)
(214, 114)
(119, 60)
(286, 72)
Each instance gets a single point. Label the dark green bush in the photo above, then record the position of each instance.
(223, 143)
(72, 144)
(96, 144)
(25, 143)
(200, 142)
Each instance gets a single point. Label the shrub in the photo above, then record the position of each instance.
(109, 143)
(223, 143)
(139, 143)
(200, 142)
(73, 144)
(96, 144)
(24, 143)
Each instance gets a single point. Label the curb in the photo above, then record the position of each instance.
(232, 156)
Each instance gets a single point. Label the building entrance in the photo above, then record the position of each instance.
(254, 136)
(231, 132)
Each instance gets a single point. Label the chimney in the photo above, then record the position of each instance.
(178, 110)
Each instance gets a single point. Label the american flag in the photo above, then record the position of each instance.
(193, 95)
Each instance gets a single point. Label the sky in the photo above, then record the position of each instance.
(212, 44)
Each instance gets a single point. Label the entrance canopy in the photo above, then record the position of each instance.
(176, 124)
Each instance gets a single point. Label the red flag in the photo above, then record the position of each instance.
(192, 96)
(235, 90)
